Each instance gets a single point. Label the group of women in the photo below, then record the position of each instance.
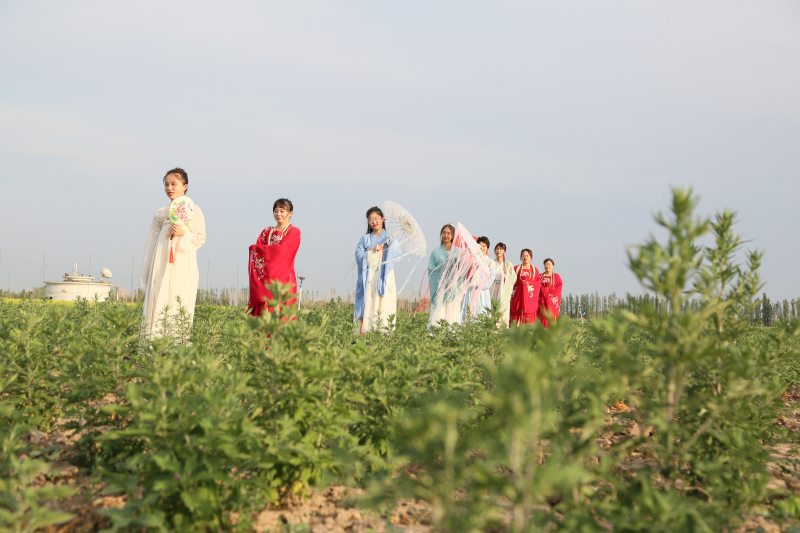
(169, 271)
(523, 294)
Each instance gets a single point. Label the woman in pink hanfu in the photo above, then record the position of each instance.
(550, 295)
(272, 258)
(525, 296)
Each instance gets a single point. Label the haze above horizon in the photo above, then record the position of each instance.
(553, 126)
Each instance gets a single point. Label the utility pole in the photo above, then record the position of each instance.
(300, 292)
(44, 259)
(90, 263)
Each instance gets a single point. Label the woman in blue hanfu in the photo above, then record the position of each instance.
(484, 298)
(376, 292)
(444, 293)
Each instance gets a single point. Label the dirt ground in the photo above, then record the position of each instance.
(330, 509)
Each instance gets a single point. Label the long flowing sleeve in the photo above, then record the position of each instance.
(149, 250)
(361, 279)
(511, 280)
(488, 279)
(390, 255)
(361, 250)
(435, 261)
(559, 284)
(195, 235)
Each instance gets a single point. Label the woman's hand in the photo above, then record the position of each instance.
(505, 269)
(378, 248)
(177, 230)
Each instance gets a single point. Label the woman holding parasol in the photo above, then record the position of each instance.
(376, 291)
(272, 258)
(169, 262)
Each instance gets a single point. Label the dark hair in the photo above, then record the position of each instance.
(548, 259)
(375, 209)
(530, 253)
(452, 229)
(284, 203)
(484, 240)
(181, 174)
(500, 245)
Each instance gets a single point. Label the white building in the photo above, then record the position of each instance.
(76, 285)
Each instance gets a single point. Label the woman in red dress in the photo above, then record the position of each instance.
(550, 295)
(272, 258)
(525, 296)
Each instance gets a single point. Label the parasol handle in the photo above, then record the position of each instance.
(393, 236)
(389, 239)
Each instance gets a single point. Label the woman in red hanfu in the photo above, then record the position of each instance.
(550, 295)
(525, 296)
(272, 258)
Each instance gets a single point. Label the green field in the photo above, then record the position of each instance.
(659, 421)
(49, 302)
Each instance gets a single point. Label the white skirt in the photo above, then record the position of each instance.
(377, 308)
(170, 287)
(450, 312)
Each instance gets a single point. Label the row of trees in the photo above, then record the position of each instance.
(37, 293)
(766, 312)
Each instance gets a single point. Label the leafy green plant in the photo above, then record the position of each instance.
(23, 502)
(708, 396)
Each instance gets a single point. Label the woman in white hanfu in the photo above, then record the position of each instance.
(169, 267)
(504, 281)
(376, 292)
(483, 303)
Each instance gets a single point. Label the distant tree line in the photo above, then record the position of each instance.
(37, 293)
(226, 296)
(765, 312)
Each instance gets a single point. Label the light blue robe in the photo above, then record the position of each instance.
(436, 268)
(390, 255)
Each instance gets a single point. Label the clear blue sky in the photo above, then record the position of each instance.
(557, 126)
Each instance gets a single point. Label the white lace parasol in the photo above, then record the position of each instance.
(404, 229)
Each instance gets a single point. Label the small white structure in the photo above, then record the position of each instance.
(78, 285)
